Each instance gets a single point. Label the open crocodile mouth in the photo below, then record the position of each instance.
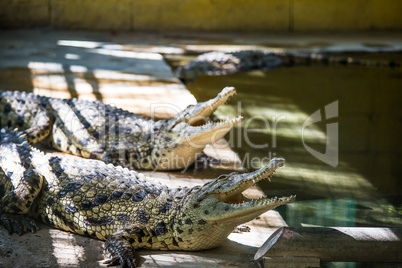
(200, 114)
(202, 131)
(210, 132)
(234, 196)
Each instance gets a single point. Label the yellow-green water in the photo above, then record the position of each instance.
(365, 187)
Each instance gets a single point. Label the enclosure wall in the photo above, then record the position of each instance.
(204, 15)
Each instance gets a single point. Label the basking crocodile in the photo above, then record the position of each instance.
(121, 206)
(92, 129)
(223, 63)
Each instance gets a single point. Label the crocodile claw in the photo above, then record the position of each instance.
(18, 224)
(119, 252)
(123, 262)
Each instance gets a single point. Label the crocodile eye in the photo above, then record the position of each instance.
(139, 196)
(116, 195)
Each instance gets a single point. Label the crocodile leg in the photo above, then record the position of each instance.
(21, 198)
(42, 128)
(20, 182)
(19, 201)
(19, 224)
(119, 245)
(13, 223)
(27, 115)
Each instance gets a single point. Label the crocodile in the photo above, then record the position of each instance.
(120, 206)
(92, 129)
(224, 63)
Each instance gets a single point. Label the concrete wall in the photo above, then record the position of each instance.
(203, 15)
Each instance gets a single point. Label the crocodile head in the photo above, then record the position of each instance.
(219, 206)
(198, 113)
(175, 143)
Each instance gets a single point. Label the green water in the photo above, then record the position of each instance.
(365, 187)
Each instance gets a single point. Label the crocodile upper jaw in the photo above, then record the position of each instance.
(197, 114)
(224, 196)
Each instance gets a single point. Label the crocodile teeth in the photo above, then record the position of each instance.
(265, 201)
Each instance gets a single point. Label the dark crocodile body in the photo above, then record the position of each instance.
(92, 129)
(224, 63)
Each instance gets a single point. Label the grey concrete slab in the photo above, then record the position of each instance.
(90, 66)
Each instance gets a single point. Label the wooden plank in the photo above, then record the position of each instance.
(345, 244)
(285, 262)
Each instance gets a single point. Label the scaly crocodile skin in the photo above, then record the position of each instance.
(95, 130)
(223, 63)
(121, 206)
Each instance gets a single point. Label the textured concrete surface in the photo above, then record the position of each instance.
(90, 67)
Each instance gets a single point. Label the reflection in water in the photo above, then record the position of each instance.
(365, 188)
(326, 212)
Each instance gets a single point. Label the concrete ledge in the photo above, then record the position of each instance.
(204, 15)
